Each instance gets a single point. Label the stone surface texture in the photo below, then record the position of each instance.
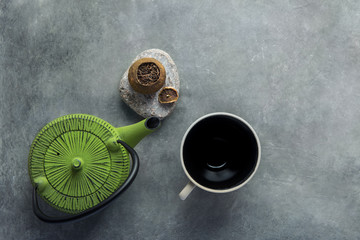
(147, 105)
(288, 67)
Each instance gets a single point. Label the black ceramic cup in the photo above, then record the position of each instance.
(220, 152)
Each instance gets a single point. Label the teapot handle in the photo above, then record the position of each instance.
(133, 172)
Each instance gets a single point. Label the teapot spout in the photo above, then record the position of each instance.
(133, 134)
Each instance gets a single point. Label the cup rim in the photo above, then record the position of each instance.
(220, 190)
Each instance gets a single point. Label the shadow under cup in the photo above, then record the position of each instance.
(220, 152)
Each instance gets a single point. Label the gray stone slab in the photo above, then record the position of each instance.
(289, 67)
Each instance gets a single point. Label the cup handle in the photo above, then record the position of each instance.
(187, 190)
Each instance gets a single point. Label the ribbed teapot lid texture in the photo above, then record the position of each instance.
(75, 162)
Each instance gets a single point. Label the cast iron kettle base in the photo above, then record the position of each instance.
(57, 156)
(87, 213)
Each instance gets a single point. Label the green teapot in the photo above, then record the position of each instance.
(79, 163)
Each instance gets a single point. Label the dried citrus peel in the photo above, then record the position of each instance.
(168, 95)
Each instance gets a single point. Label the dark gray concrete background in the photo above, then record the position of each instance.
(289, 67)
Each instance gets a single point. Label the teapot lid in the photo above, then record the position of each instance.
(76, 162)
